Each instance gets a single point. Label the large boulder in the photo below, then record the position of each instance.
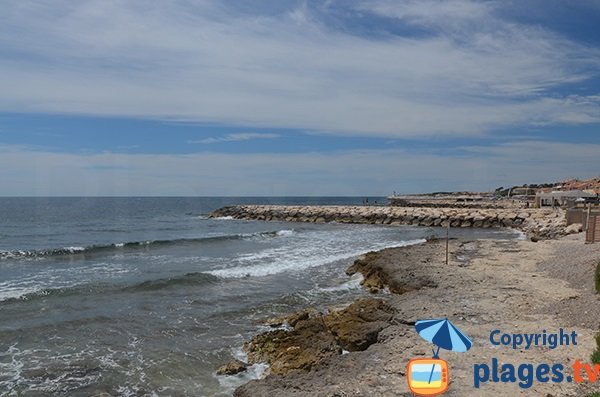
(574, 228)
(233, 367)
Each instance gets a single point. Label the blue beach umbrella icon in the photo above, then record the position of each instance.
(442, 333)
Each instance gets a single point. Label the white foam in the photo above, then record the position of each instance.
(352, 284)
(231, 382)
(285, 259)
(11, 370)
(58, 278)
(520, 235)
(224, 218)
(74, 249)
(285, 232)
(15, 292)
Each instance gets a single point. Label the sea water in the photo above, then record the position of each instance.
(148, 296)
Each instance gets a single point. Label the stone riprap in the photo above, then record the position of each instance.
(538, 223)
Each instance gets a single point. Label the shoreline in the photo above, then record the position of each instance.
(511, 285)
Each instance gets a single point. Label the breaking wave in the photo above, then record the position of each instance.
(189, 279)
(134, 245)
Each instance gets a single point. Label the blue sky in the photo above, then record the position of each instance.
(296, 97)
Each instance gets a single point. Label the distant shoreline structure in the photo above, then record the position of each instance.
(546, 223)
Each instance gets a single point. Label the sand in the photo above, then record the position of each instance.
(514, 286)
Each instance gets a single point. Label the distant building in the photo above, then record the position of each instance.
(561, 198)
(522, 191)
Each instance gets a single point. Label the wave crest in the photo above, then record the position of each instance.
(133, 245)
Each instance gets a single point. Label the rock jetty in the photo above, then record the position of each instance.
(538, 223)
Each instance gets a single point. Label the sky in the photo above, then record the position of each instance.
(295, 98)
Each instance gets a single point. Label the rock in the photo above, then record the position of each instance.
(574, 228)
(298, 349)
(379, 273)
(291, 320)
(372, 282)
(546, 223)
(362, 261)
(357, 326)
(315, 337)
(233, 367)
(296, 317)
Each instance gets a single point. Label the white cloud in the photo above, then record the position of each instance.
(242, 136)
(25, 171)
(473, 73)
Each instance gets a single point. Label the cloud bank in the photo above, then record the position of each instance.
(458, 68)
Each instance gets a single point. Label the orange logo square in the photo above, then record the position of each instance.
(427, 376)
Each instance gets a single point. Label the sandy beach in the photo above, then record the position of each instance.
(514, 286)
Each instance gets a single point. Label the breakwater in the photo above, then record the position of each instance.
(546, 223)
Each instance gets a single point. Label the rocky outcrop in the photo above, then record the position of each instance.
(233, 367)
(358, 326)
(544, 223)
(315, 336)
(379, 273)
(298, 349)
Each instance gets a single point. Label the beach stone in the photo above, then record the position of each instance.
(233, 367)
(574, 228)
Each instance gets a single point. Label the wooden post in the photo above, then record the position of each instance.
(447, 238)
(587, 219)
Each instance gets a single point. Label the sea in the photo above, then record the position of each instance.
(148, 296)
